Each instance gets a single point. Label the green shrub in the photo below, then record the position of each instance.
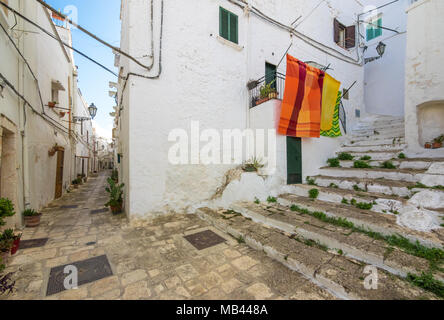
(361, 165)
(333, 163)
(271, 199)
(388, 165)
(115, 193)
(311, 182)
(257, 201)
(313, 193)
(427, 282)
(366, 158)
(357, 189)
(344, 201)
(344, 156)
(364, 205)
(333, 185)
(6, 210)
(401, 156)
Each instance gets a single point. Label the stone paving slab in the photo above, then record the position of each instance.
(149, 259)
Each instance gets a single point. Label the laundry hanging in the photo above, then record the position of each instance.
(329, 96)
(335, 131)
(302, 103)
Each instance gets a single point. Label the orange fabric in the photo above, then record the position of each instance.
(302, 103)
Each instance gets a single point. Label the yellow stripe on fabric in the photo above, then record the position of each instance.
(329, 97)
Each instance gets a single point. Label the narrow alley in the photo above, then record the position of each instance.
(147, 261)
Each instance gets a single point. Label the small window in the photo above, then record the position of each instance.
(228, 25)
(344, 37)
(374, 29)
(54, 95)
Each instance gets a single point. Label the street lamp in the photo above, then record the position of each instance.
(92, 110)
(380, 49)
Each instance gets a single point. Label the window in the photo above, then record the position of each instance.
(54, 95)
(374, 29)
(344, 37)
(228, 25)
(270, 74)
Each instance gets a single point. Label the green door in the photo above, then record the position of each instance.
(294, 160)
(270, 74)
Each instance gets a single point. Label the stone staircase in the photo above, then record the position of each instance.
(347, 219)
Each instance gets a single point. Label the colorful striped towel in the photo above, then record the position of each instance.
(335, 131)
(329, 97)
(302, 104)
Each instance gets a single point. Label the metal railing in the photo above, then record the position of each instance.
(268, 87)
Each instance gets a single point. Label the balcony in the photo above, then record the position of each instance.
(266, 88)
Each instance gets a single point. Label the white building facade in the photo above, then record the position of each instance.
(195, 71)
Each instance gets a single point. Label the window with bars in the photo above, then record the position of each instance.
(228, 25)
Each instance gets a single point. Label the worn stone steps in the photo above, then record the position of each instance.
(383, 155)
(382, 133)
(374, 142)
(373, 148)
(341, 275)
(418, 164)
(367, 219)
(339, 239)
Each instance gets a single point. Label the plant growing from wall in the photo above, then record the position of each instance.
(310, 181)
(344, 156)
(6, 210)
(364, 206)
(313, 193)
(388, 165)
(253, 165)
(366, 158)
(333, 163)
(361, 165)
(116, 196)
(401, 156)
(271, 199)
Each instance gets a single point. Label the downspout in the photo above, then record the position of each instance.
(23, 131)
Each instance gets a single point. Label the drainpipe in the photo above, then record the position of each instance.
(23, 131)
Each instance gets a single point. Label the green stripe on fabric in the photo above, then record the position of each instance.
(335, 131)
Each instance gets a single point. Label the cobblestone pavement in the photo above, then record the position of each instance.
(149, 260)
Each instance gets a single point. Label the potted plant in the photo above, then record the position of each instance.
(6, 210)
(116, 196)
(52, 104)
(62, 114)
(32, 218)
(437, 142)
(267, 92)
(115, 176)
(16, 244)
(5, 248)
(428, 145)
(14, 239)
(75, 183)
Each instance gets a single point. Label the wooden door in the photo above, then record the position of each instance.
(59, 174)
(294, 160)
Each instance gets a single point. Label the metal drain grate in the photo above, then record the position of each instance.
(205, 239)
(69, 207)
(89, 270)
(33, 243)
(99, 211)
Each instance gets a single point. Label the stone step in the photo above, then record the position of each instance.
(382, 203)
(377, 155)
(340, 275)
(413, 163)
(375, 142)
(388, 134)
(356, 245)
(373, 148)
(409, 175)
(367, 219)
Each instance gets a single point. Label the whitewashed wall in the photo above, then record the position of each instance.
(204, 78)
(384, 88)
(424, 74)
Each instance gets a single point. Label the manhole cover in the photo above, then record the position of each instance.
(99, 211)
(88, 271)
(69, 207)
(33, 243)
(204, 239)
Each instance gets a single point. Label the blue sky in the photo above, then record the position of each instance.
(102, 18)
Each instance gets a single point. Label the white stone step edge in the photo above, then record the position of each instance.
(416, 165)
(373, 142)
(382, 147)
(331, 243)
(372, 174)
(362, 224)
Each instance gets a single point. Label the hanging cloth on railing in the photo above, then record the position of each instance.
(335, 131)
(302, 103)
(329, 98)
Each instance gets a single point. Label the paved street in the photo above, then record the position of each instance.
(149, 260)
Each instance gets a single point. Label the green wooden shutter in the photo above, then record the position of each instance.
(234, 28)
(378, 31)
(369, 32)
(223, 23)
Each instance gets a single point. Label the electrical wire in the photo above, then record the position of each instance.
(58, 40)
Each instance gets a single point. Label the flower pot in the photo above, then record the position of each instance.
(52, 104)
(33, 221)
(116, 210)
(436, 145)
(62, 114)
(273, 95)
(428, 145)
(262, 100)
(15, 247)
(76, 186)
